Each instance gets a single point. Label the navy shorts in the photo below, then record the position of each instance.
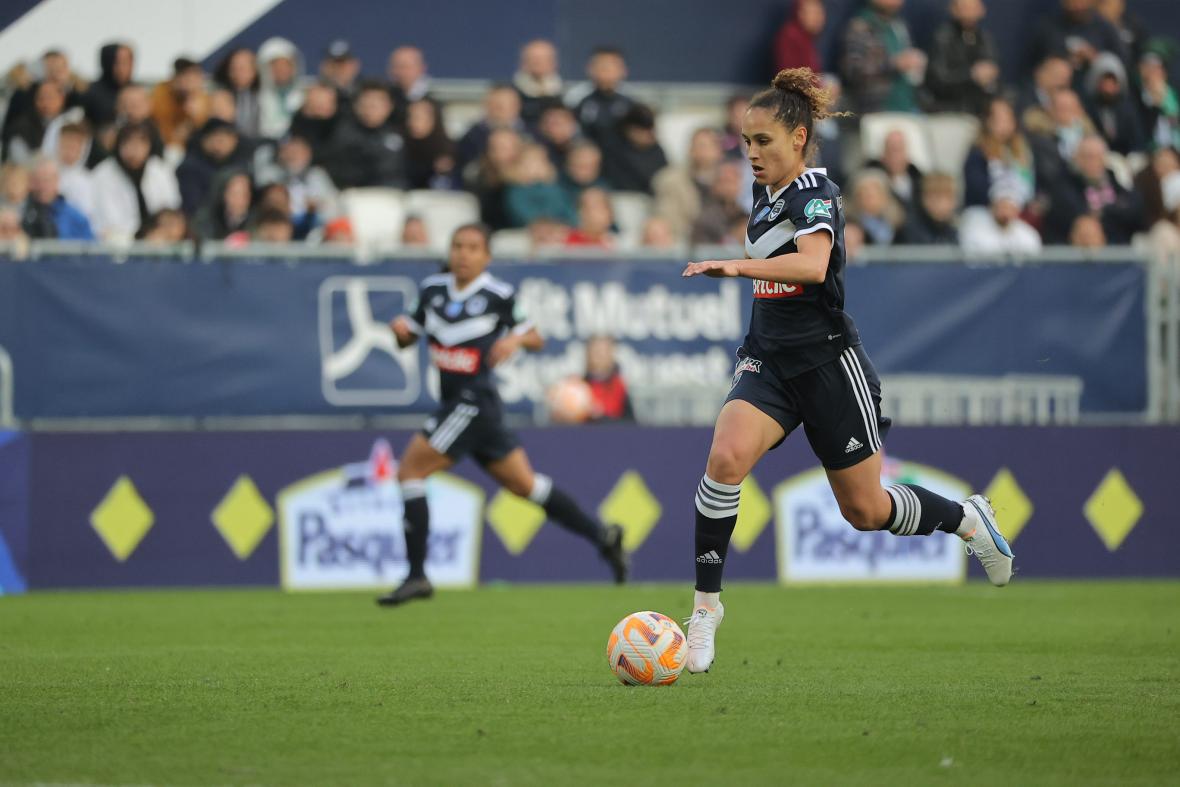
(468, 425)
(838, 403)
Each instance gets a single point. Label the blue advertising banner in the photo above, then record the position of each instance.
(94, 338)
(14, 512)
(320, 510)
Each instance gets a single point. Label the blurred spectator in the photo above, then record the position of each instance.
(223, 106)
(280, 94)
(830, 152)
(658, 234)
(366, 150)
(1089, 187)
(583, 170)
(720, 207)
(1161, 108)
(116, 64)
(275, 197)
(595, 219)
(341, 69)
(854, 241)
(218, 145)
(533, 191)
(1130, 30)
(608, 392)
(338, 232)
(1086, 233)
(316, 120)
(488, 177)
(14, 185)
(227, 209)
(547, 233)
(875, 208)
(311, 194)
(1165, 233)
(26, 132)
(600, 113)
(881, 68)
(1110, 105)
(1078, 32)
(47, 214)
(639, 155)
(1000, 151)
(963, 72)
(272, 226)
(77, 182)
(537, 80)
(998, 229)
(407, 76)
(430, 153)
(180, 105)
(238, 73)
(931, 220)
(501, 110)
(1036, 101)
(165, 227)
(1149, 180)
(1054, 149)
(14, 243)
(134, 106)
(415, 234)
(558, 131)
(131, 185)
(732, 145)
(679, 189)
(905, 179)
(55, 67)
(795, 42)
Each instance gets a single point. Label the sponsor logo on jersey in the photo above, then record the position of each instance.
(456, 360)
(775, 289)
(762, 214)
(477, 305)
(818, 207)
(777, 209)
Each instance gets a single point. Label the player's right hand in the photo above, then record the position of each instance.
(402, 330)
(717, 269)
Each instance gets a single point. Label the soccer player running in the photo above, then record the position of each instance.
(802, 363)
(473, 324)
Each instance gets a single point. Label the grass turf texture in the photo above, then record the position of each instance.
(1038, 684)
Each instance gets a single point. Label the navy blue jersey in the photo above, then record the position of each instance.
(797, 327)
(461, 326)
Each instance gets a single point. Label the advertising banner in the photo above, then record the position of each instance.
(14, 512)
(240, 338)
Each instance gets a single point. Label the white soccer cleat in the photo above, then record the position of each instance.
(702, 628)
(984, 540)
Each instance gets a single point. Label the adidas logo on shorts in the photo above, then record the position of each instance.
(853, 444)
(709, 557)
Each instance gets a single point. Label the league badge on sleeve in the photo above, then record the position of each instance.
(818, 207)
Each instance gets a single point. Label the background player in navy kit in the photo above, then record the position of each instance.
(802, 363)
(472, 323)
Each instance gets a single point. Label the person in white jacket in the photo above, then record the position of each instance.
(131, 186)
(280, 69)
(998, 229)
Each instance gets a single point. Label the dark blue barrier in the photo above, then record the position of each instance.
(92, 338)
(317, 509)
(14, 512)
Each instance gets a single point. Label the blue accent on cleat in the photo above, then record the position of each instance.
(1001, 544)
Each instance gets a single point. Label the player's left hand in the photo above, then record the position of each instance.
(504, 348)
(718, 269)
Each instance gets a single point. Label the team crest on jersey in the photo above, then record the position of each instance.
(777, 209)
(745, 365)
(437, 301)
(477, 305)
(818, 207)
(453, 309)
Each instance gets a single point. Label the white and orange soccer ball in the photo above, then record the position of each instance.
(647, 649)
(570, 401)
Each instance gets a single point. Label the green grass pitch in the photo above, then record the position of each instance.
(1036, 684)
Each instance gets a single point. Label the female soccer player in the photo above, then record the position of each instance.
(473, 324)
(802, 363)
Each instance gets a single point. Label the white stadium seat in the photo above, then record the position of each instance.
(377, 216)
(443, 212)
(876, 126)
(674, 128)
(631, 209)
(511, 243)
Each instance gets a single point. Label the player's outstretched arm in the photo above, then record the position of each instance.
(507, 346)
(809, 265)
(403, 331)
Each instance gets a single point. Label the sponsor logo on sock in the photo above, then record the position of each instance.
(853, 445)
(709, 557)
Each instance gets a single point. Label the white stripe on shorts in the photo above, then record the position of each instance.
(863, 402)
(452, 427)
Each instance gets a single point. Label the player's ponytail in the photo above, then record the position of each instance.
(797, 98)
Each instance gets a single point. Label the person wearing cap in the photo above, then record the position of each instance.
(280, 70)
(998, 228)
(180, 105)
(1089, 187)
(1160, 107)
(341, 68)
(1109, 104)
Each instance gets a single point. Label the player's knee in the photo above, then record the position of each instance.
(521, 487)
(726, 465)
(860, 515)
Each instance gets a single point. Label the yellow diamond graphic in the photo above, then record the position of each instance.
(1113, 510)
(632, 506)
(515, 520)
(1013, 508)
(122, 519)
(243, 516)
(753, 514)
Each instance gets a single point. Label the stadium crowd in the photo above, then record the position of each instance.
(1081, 150)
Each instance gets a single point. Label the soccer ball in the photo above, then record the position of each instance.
(570, 401)
(646, 648)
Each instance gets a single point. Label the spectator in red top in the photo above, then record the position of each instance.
(595, 220)
(610, 400)
(794, 45)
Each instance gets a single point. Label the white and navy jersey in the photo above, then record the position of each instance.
(797, 327)
(462, 325)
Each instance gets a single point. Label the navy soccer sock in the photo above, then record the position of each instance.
(417, 526)
(562, 509)
(717, 510)
(919, 512)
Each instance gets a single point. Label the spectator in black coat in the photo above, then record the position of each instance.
(1080, 33)
(537, 81)
(366, 149)
(116, 62)
(1090, 188)
(1129, 28)
(227, 209)
(600, 112)
(430, 153)
(639, 157)
(24, 136)
(1036, 98)
(932, 221)
(217, 146)
(317, 119)
(1111, 107)
(962, 73)
(905, 179)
